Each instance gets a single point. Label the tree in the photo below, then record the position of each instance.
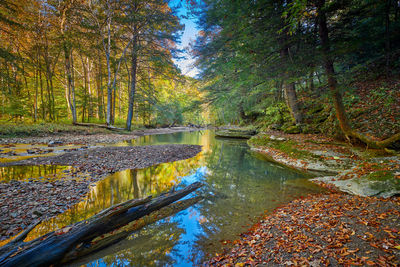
(332, 82)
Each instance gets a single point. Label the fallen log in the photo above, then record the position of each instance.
(52, 247)
(89, 252)
(109, 127)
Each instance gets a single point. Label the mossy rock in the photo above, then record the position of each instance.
(236, 133)
(380, 183)
(294, 129)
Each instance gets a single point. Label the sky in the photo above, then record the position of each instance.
(189, 34)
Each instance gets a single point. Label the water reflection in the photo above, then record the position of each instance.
(118, 188)
(239, 187)
(25, 173)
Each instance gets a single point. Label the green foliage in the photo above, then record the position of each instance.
(168, 114)
(242, 56)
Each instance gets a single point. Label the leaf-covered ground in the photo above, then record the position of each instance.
(322, 230)
(372, 106)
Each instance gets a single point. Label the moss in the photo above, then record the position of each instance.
(294, 129)
(374, 153)
(380, 176)
(259, 140)
(287, 147)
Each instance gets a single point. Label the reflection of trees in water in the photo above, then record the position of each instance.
(25, 172)
(152, 246)
(118, 188)
(241, 186)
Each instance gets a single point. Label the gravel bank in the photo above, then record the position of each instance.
(93, 138)
(24, 202)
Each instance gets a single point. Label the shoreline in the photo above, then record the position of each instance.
(24, 202)
(79, 138)
(330, 229)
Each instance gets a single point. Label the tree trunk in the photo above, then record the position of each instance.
(387, 36)
(289, 87)
(36, 92)
(133, 80)
(291, 100)
(70, 82)
(336, 95)
(109, 88)
(99, 85)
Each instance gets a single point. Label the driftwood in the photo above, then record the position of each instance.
(93, 234)
(109, 127)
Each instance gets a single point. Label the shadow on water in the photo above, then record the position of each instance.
(239, 187)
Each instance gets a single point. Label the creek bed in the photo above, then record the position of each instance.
(239, 187)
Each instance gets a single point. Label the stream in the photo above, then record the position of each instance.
(240, 186)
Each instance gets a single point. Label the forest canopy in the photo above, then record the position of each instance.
(294, 65)
(93, 61)
(298, 66)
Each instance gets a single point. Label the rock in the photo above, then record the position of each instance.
(274, 138)
(373, 184)
(236, 133)
(54, 143)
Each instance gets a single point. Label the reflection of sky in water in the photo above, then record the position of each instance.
(198, 175)
(189, 220)
(239, 186)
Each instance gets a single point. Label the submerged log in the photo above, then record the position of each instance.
(52, 247)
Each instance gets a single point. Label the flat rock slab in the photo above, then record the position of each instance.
(24, 202)
(364, 187)
(236, 133)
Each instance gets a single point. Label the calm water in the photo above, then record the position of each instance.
(239, 187)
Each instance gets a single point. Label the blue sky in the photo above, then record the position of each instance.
(189, 34)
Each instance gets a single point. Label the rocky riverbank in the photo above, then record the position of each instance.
(355, 170)
(326, 229)
(23, 202)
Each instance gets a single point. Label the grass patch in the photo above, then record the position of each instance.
(8, 130)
